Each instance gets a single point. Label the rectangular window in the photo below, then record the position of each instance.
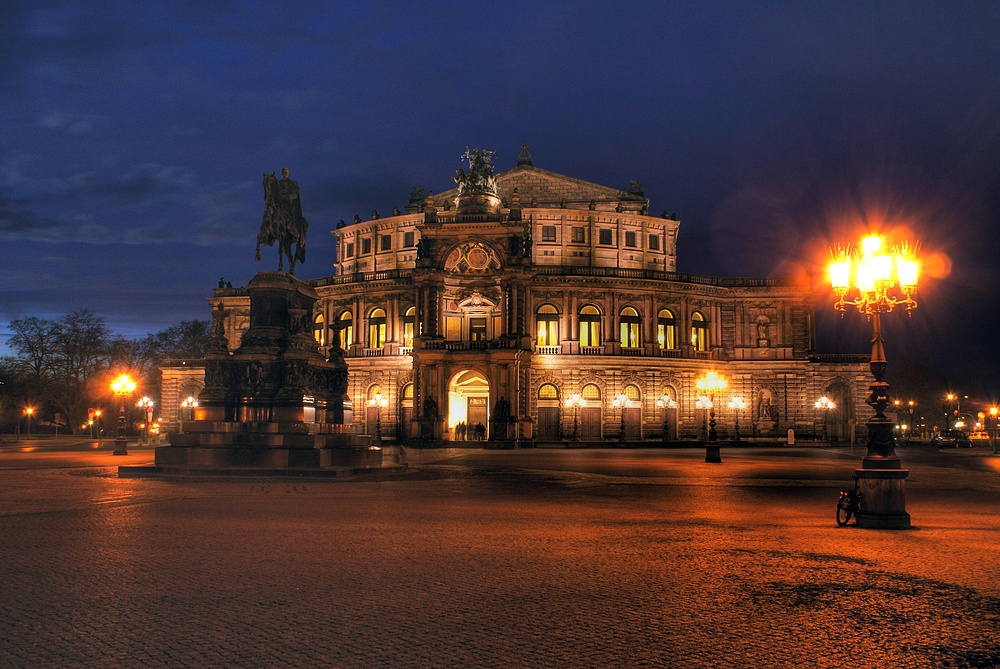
(605, 236)
(629, 238)
(386, 242)
(548, 233)
(350, 251)
(408, 239)
(454, 328)
(578, 237)
(366, 246)
(654, 242)
(477, 329)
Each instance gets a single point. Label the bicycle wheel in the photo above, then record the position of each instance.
(844, 511)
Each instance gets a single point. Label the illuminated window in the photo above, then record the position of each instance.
(632, 392)
(548, 233)
(373, 391)
(666, 329)
(699, 332)
(629, 324)
(590, 326)
(346, 323)
(604, 236)
(408, 320)
(453, 328)
(376, 328)
(408, 391)
(477, 329)
(548, 392)
(630, 238)
(591, 392)
(547, 318)
(319, 329)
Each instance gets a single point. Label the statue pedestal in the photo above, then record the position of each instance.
(274, 403)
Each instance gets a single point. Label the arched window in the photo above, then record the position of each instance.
(373, 391)
(699, 332)
(591, 392)
(590, 326)
(346, 323)
(547, 317)
(408, 320)
(632, 392)
(376, 328)
(319, 329)
(629, 328)
(666, 329)
(669, 392)
(548, 392)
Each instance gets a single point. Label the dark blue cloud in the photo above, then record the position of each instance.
(133, 135)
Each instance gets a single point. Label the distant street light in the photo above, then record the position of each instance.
(623, 402)
(824, 405)
(875, 273)
(666, 403)
(28, 411)
(737, 404)
(712, 382)
(993, 429)
(378, 402)
(122, 387)
(147, 404)
(576, 402)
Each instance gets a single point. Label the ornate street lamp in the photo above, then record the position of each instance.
(875, 273)
(147, 404)
(824, 406)
(623, 402)
(712, 382)
(122, 387)
(737, 405)
(378, 402)
(666, 403)
(576, 402)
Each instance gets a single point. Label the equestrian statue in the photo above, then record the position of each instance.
(283, 221)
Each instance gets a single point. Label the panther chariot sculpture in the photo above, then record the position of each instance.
(283, 223)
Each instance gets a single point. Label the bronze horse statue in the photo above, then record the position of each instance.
(283, 221)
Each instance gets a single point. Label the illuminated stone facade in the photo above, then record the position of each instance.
(569, 289)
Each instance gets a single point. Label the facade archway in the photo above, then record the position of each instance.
(549, 415)
(838, 420)
(590, 413)
(469, 403)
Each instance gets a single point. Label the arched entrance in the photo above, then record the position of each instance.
(838, 427)
(469, 403)
(548, 412)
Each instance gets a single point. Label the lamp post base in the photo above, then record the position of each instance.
(883, 503)
(120, 449)
(712, 453)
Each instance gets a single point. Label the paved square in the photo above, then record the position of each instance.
(571, 558)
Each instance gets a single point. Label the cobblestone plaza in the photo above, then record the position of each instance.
(477, 558)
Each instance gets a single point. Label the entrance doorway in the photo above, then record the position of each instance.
(469, 403)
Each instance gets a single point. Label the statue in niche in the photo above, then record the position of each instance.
(430, 409)
(762, 334)
(283, 222)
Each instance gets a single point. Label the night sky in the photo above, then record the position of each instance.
(134, 136)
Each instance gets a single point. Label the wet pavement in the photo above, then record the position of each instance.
(474, 558)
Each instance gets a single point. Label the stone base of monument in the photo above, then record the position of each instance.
(275, 405)
(220, 444)
(883, 504)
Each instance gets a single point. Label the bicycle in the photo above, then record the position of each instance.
(849, 503)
